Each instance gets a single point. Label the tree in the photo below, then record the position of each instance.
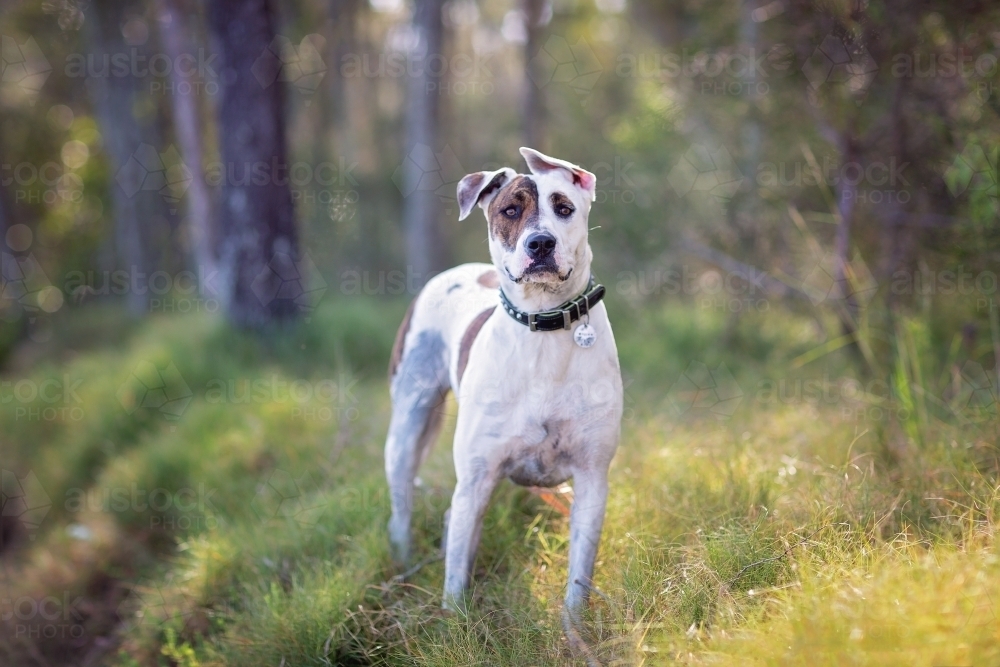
(424, 252)
(258, 253)
(533, 12)
(136, 211)
(188, 128)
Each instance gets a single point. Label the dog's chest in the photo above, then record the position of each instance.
(542, 457)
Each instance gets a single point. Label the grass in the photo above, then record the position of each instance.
(812, 521)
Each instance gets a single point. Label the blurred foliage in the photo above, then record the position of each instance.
(752, 98)
(797, 224)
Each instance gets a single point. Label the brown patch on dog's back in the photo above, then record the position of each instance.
(469, 337)
(397, 346)
(521, 194)
(489, 279)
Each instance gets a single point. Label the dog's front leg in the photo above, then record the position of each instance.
(465, 522)
(590, 494)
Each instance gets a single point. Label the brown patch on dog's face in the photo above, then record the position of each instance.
(562, 205)
(513, 209)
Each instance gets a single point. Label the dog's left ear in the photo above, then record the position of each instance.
(479, 188)
(539, 163)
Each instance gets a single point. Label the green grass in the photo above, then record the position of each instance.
(250, 530)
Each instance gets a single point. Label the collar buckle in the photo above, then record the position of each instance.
(558, 318)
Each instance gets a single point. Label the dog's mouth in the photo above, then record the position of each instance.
(541, 272)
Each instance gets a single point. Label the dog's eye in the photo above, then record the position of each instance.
(510, 211)
(564, 211)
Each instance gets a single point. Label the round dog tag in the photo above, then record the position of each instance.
(585, 336)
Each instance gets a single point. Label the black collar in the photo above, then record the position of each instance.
(560, 317)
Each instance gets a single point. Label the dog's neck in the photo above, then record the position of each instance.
(536, 297)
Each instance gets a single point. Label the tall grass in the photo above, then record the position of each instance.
(855, 523)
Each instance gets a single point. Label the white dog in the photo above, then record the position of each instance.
(537, 379)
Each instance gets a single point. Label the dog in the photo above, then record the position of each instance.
(526, 346)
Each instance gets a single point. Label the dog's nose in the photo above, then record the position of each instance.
(540, 245)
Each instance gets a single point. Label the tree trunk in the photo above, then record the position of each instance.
(534, 102)
(135, 209)
(188, 126)
(424, 251)
(259, 267)
(343, 15)
(5, 222)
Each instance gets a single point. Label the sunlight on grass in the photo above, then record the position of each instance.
(790, 531)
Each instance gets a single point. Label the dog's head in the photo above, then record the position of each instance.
(537, 221)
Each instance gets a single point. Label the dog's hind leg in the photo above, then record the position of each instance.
(419, 389)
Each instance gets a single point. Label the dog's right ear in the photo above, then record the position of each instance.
(480, 188)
